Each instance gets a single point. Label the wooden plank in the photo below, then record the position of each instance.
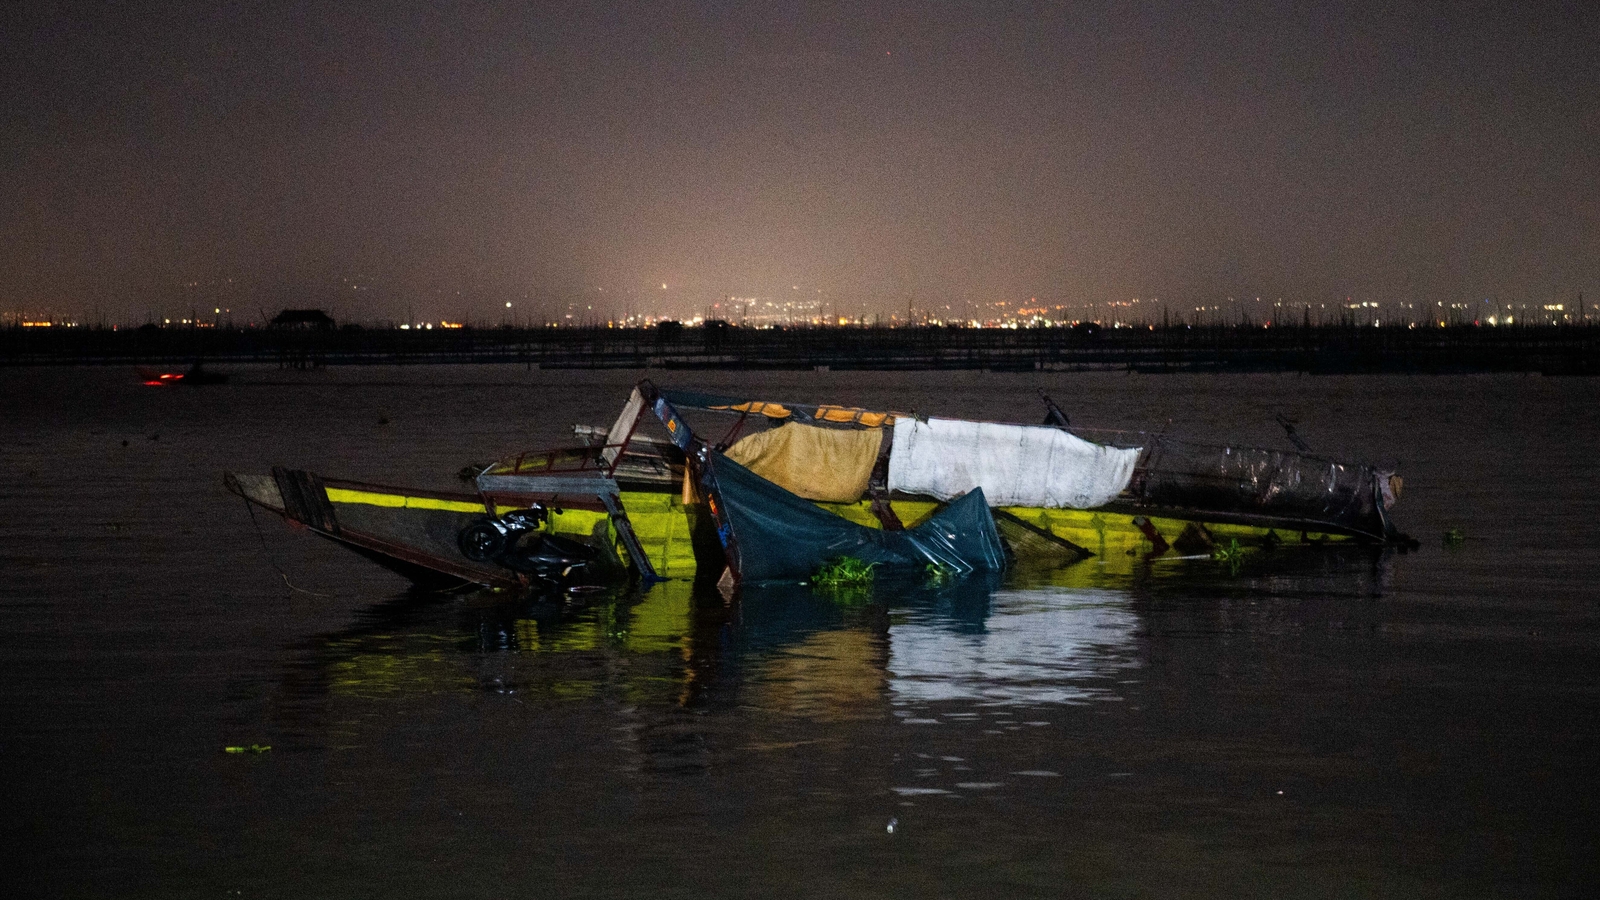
(305, 499)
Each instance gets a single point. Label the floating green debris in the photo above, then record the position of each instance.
(846, 571)
(846, 579)
(253, 748)
(1231, 555)
(1454, 535)
(940, 574)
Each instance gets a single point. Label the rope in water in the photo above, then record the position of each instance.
(250, 507)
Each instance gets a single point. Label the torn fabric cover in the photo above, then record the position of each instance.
(777, 535)
(832, 465)
(1016, 465)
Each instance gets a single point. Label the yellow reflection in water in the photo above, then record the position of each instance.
(412, 664)
(386, 665)
(831, 676)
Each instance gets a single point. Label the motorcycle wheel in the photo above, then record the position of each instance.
(481, 542)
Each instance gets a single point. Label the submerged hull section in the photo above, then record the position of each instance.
(414, 532)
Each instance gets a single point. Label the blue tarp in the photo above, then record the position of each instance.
(772, 534)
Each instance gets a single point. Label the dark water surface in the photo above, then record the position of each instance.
(1314, 725)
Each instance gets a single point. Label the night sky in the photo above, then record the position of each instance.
(399, 158)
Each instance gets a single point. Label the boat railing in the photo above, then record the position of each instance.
(577, 460)
(535, 462)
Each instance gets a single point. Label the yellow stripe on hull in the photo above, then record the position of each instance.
(400, 501)
(664, 524)
(1110, 534)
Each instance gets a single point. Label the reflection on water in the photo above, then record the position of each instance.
(683, 680)
(376, 666)
(1042, 638)
(1033, 646)
(422, 644)
(827, 676)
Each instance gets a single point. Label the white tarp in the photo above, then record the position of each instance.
(1016, 465)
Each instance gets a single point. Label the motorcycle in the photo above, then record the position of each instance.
(518, 541)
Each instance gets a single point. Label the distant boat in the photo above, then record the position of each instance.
(196, 375)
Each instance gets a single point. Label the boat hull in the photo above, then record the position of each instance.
(414, 532)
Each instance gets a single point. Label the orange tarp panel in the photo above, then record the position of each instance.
(832, 465)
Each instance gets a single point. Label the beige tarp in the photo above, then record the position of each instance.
(827, 464)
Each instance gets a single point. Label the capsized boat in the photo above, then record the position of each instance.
(657, 508)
